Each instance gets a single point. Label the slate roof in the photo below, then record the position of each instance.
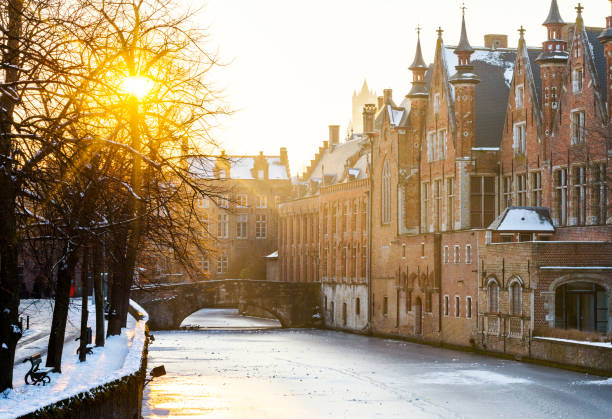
(535, 70)
(553, 15)
(495, 69)
(599, 59)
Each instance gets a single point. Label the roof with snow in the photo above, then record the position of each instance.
(240, 167)
(532, 219)
(495, 69)
(348, 158)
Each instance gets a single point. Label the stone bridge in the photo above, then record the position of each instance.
(292, 303)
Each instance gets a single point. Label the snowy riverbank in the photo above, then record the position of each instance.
(121, 356)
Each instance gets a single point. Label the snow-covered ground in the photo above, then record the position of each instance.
(226, 318)
(120, 356)
(283, 373)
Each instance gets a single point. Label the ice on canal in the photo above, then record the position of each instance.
(303, 373)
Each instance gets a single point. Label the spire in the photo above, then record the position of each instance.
(418, 62)
(579, 19)
(365, 87)
(554, 17)
(464, 44)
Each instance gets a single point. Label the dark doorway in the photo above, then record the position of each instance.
(581, 306)
(418, 317)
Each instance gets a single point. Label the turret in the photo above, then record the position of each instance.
(465, 82)
(418, 68)
(552, 61)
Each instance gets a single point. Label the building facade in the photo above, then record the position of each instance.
(490, 215)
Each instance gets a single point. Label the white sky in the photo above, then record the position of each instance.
(294, 64)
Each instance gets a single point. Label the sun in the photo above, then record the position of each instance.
(137, 86)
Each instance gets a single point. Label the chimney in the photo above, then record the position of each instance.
(284, 157)
(495, 41)
(334, 135)
(388, 96)
(381, 102)
(369, 111)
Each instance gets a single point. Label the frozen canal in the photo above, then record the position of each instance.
(281, 373)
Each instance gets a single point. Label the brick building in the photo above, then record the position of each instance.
(490, 210)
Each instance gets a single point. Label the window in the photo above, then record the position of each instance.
(425, 207)
(580, 186)
(242, 226)
(343, 262)
(450, 203)
(408, 301)
(357, 306)
(507, 191)
(581, 305)
(325, 220)
(262, 201)
(493, 297)
(222, 264)
(204, 202)
(577, 127)
(223, 201)
(241, 200)
(355, 216)
(468, 253)
(441, 144)
(431, 139)
(261, 226)
(519, 96)
(345, 216)
(446, 254)
(364, 216)
(468, 307)
(205, 264)
(446, 304)
(536, 189)
(437, 203)
(385, 306)
(561, 195)
(521, 190)
(422, 250)
(482, 208)
(577, 79)
(599, 192)
(457, 258)
(520, 138)
(222, 226)
(404, 251)
(436, 103)
(457, 306)
(354, 262)
(364, 260)
(334, 219)
(386, 193)
(515, 298)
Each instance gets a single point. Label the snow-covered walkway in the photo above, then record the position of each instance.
(120, 356)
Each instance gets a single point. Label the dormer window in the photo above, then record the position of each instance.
(519, 96)
(577, 78)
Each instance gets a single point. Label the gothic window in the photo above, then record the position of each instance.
(520, 138)
(386, 193)
(345, 216)
(425, 207)
(354, 217)
(519, 96)
(241, 226)
(437, 204)
(536, 189)
(450, 203)
(515, 298)
(577, 127)
(560, 180)
(431, 146)
(334, 219)
(325, 220)
(442, 144)
(580, 186)
(599, 191)
(493, 296)
(364, 216)
(577, 79)
(482, 201)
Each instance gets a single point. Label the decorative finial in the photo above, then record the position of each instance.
(522, 31)
(579, 8)
(463, 8)
(418, 29)
(440, 32)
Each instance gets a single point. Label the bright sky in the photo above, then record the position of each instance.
(294, 64)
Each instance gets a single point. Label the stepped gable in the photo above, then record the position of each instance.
(495, 69)
(334, 162)
(241, 167)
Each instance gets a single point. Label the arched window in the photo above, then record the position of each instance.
(493, 296)
(515, 298)
(386, 193)
(582, 305)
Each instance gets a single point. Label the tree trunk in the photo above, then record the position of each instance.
(60, 310)
(114, 319)
(97, 278)
(83, 342)
(9, 279)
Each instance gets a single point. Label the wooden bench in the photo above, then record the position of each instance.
(37, 375)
